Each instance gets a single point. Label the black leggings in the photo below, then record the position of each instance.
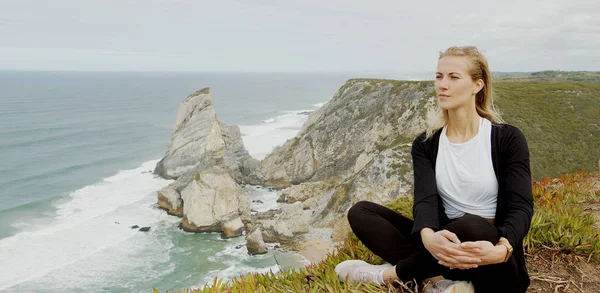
(388, 235)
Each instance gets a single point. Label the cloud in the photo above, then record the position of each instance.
(310, 35)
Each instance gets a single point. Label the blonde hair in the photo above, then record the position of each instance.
(484, 102)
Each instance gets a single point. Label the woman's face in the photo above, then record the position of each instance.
(453, 85)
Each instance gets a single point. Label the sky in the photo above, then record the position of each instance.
(295, 36)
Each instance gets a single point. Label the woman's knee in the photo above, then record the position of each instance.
(473, 228)
(358, 210)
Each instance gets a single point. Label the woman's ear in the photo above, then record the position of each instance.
(478, 86)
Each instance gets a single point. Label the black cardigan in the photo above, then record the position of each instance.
(510, 158)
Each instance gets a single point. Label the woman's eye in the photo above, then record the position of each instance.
(438, 77)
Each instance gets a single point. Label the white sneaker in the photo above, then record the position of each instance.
(449, 286)
(360, 271)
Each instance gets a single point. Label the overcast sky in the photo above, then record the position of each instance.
(303, 35)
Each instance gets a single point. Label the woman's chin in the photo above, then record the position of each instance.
(445, 105)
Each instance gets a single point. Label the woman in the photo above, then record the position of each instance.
(472, 195)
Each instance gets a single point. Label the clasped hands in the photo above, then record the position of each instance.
(450, 252)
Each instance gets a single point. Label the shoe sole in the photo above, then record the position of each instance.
(462, 287)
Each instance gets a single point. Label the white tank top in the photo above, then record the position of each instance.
(465, 175)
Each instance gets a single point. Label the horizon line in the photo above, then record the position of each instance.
(269, 72)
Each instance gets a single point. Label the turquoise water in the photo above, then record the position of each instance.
(76, 150)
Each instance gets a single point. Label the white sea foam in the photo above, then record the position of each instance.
(238, 262)
(88, 244)
(21, 225)
(262, 199)
(89, 240)
(260, 140)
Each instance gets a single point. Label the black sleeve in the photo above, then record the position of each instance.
(516, 188)
(425, 208)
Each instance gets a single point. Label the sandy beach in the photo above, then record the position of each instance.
(315, 245)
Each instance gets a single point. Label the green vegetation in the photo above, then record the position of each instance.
(374, 83)
(319, 277)
(402, 205)
(560, 221)
(402, 167)
(550, 75)
(560, 120)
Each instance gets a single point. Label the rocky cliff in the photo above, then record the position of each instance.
(200, 140)
(208, 160)
(356, 147)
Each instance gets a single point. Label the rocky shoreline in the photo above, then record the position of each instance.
(356, 147)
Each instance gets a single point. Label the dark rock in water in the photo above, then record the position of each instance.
(239, 246)
(135, 227)
(257, 201)
(232, 234)
(231, 226)
(144, 229)
(117, 223)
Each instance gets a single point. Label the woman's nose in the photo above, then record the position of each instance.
(442, 83)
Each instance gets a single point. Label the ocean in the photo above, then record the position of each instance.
(76, 154)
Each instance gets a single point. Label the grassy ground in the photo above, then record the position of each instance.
(562, 247)
(560, 120)
(551, 76)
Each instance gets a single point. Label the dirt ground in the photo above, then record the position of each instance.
(550, 273)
